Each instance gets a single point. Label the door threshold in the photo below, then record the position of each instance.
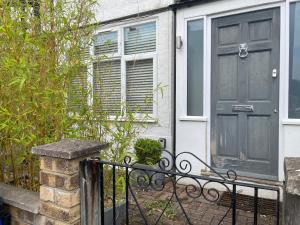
(256, 180)
(261, 181)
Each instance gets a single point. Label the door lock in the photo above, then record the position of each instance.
(274, 73)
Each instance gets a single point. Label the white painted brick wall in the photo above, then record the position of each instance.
(111, 9)
(164, 21)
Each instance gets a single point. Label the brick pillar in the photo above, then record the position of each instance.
(291, 191)
(59, 178)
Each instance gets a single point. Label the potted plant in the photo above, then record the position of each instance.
(148, 153)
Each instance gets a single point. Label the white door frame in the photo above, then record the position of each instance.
(205, 11)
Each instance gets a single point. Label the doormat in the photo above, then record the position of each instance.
(246, 203)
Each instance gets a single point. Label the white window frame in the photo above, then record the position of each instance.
(204, 115)
(287, 120)
(125, 58)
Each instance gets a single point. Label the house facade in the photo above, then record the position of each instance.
(229, 71)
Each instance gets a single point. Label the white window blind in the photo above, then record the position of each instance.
(140, 38)
(78, 90)
(139, 85)
(85, 53)
(107, 85)
(106, 43)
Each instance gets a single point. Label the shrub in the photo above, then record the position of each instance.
(41, 46)
(147, 151)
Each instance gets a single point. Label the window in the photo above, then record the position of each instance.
(139, 85)
(140, 39)
(294, 80)
(133, 67)
(106, 43)
(195, 67)
(107, 85)
(77, 90)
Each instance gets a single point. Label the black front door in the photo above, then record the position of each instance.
(245, 93)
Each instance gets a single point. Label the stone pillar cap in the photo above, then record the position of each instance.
(69, 149)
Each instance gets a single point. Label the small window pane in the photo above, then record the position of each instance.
(294, 82)
(139, 86)
(106, 43)
(107, 85)
(78, 92)
(195, 68)
(140, 38)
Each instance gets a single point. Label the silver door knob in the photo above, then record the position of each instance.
(275, 111)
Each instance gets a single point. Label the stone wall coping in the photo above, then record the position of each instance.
(20, 198)
(292, 175)
(69, 149)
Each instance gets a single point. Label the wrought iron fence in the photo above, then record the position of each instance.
(114, 193)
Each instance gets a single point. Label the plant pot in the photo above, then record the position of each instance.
(120, 214)
(142, 173)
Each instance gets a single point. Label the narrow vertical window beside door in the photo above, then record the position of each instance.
(294, 82)
(195, 68)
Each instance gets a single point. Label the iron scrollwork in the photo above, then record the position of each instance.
(175, 169)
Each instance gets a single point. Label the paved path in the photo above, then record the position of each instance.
(198, 210)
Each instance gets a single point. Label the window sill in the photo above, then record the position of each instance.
(137, 120)
(193, 118)
(295, 122)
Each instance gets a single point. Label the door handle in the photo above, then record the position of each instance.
(242, 108)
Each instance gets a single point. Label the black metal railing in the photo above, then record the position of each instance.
(104, 183)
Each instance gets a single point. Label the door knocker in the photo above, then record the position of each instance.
(243, 50)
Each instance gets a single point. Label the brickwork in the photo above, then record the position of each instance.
(59, 178)
(59, 191)
(23, 217)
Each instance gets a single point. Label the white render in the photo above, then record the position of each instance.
(161, 124)
(193, 133)
(112, 9)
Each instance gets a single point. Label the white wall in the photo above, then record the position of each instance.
(291, 140)
(112, 9)
(163, 128)
(193, 134)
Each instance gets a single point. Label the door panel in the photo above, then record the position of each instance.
(260, 30)
(258, 141)
(228, 77)
(227, 132)
(245, 96)
(229, 34)
(259, 78)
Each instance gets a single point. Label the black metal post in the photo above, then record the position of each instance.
(278, 207)
(101, 191)
(233, 202)
(127, 199)
(114, 195)
(255, 205)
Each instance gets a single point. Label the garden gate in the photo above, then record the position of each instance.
(170, 193)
